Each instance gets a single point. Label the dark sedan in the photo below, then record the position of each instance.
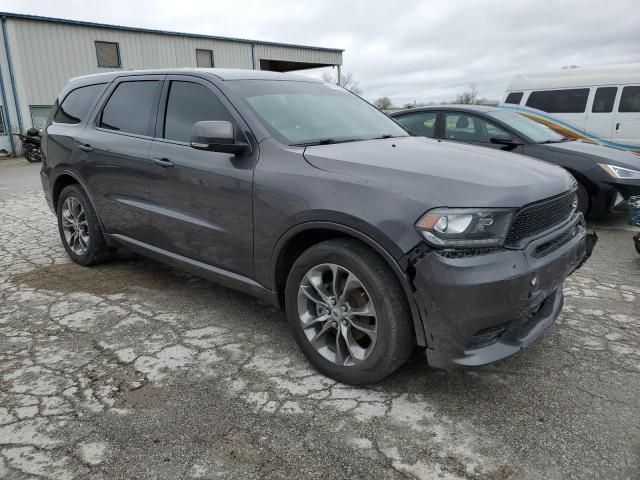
(606, 177)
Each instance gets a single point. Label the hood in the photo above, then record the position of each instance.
(444, 174)
(597, 153)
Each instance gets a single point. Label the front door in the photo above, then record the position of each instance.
(466, 128)
(114, 158)
(202, 201)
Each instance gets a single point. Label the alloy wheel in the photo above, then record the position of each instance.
(337, 314)
(75, 226)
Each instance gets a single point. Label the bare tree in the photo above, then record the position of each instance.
(347, 80)
(383, 103)
(570, 67)
(467, 98)
(471, 97)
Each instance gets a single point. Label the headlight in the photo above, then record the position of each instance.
(462, 227)
(620, 172)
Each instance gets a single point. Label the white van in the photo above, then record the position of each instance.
(598, 104)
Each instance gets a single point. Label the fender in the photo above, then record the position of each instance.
(398, 266)
(66, 171)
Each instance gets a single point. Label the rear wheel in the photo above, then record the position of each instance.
(348, 312)
(80, 229)
(32, 155)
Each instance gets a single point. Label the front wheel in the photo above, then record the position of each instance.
(584, 201)
(348, 312)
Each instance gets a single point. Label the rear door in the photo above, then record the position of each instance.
(627, 121)
(600, 117)
(115, 159)
(202, 201)
(59, 139)
(421, 124)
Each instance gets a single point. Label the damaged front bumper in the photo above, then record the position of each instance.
(483, 308)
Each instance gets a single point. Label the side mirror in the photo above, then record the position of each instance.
(503, 139)
(216, 136)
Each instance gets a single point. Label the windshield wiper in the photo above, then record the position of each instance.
(325, 141)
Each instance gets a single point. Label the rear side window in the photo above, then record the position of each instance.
(514, 98)
(560, 101)
(187, 104)
(76, 104)
(129, 107)
(422, 124)
(630, 100)
(603, 101)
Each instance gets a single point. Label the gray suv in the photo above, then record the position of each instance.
(308, 197)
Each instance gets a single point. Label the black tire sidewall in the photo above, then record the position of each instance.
(96, 250)
(376, 366)
(584, 200)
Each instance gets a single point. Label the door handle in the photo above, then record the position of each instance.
(618, 126)
(162, 162)
(85, 147)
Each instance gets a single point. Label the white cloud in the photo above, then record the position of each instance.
(407, 50)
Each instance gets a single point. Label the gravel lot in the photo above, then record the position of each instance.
(135, 370)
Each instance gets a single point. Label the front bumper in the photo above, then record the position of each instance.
(483, 308)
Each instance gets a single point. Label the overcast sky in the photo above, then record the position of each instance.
(407, 50)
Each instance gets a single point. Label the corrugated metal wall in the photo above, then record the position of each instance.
(46, 54)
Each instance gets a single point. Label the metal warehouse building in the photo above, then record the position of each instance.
(39, 54)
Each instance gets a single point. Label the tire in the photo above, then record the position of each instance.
(636, 241)
(353, 264)
(584, 201)
(89, 233)
(32, 155)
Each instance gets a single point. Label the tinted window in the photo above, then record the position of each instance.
(468, 128)
(76, 104)
(630, 100)
(559, 101)
(421, 124)
(129, 108)
(187, 104)
(514, 97)
(603, 101)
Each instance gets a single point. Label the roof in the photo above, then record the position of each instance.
(466, 108)
(577, 77)
(161, 32)
(221, 73)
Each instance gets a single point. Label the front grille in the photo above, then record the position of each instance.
(466, 252)
(538, 217)
(552, 245)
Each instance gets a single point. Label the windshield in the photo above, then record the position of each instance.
(302, 113)
(535, 131)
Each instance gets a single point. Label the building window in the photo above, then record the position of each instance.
(204, 58)
(39, 115)
(3, 130)
(108, 54)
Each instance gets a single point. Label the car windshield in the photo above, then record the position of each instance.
(535, 131)
(307, 113)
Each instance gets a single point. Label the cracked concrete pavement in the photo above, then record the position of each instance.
(135, 370)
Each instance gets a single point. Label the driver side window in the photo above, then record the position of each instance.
(469, 128)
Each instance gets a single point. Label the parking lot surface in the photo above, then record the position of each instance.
(135, 370)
